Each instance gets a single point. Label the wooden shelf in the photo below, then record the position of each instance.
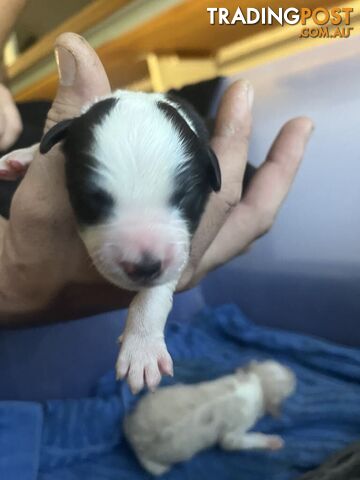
(182, 32)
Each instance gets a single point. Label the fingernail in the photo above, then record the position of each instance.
(66, 65)
(247, 93)
(251, 95)
(311, 130)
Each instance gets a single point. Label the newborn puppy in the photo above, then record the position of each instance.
(174, 423)
(139, 171)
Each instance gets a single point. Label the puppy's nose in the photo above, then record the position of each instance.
(147, 269)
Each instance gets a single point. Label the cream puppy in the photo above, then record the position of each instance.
(174, 423)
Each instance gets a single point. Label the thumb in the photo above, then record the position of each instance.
(82, 78)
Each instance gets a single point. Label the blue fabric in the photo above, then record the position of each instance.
(20, 440)
(78, 439)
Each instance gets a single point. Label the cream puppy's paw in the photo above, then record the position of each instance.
(275, 442)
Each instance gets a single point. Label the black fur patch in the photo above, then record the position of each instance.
(190, 112)
(194, 183)
(91, 204)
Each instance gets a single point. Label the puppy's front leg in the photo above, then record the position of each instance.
(143, 354)
(239, 440)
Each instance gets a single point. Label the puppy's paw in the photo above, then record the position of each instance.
(143, 360)
(274, 442)
(11, 169)
(14, 164)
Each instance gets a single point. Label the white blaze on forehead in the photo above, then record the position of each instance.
(138, 151)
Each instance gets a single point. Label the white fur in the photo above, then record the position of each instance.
(174, 423)
(130, 233)
(138, 151)
(144, 356)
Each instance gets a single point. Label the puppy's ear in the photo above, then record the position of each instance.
(55, 135)
(214, 170)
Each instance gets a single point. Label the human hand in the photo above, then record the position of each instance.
(10, 120)
(234, 219)
(45, 271)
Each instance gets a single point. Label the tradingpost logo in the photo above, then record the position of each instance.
(315, 23)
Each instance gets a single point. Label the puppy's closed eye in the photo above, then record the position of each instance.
(92, 205)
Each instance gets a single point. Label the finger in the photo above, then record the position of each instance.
(12, 128)
(272, 182)
(231, 139)
(10, 120)
(82, 77)
(230, 143)
(268, 189)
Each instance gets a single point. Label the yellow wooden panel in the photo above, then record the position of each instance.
(45, 89)
(181, 36)
(186, 27)
(79, 23)
(174, 71)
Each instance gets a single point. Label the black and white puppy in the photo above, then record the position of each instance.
(139, 171)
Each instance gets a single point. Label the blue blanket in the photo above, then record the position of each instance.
(82, 439)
